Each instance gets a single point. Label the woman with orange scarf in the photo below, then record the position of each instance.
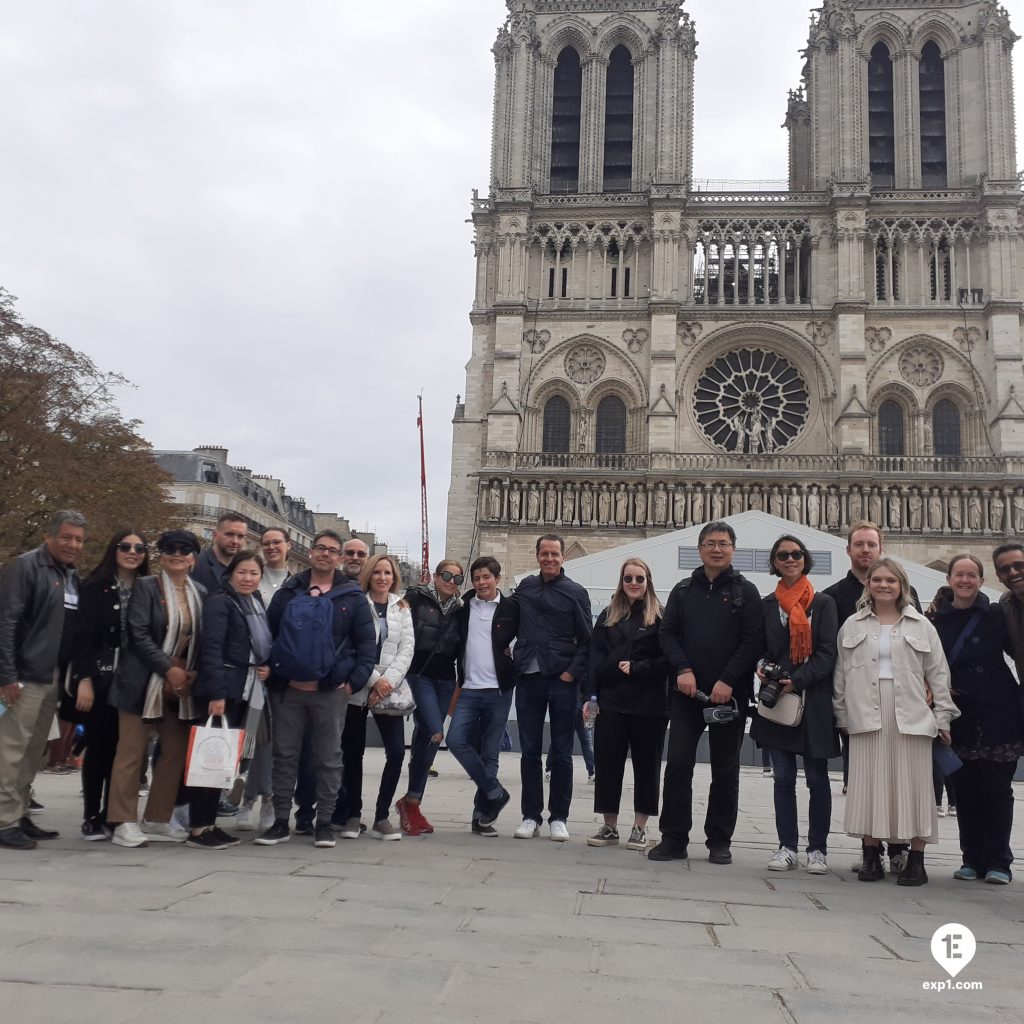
(800, 636)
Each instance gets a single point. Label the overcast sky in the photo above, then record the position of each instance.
(254, 209)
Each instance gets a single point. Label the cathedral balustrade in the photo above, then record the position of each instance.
(916, 507)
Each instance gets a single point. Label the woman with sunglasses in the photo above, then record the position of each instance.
(628, 677)
(432, 679)
(153, 690)
(800, 636)
(101, 637)
(989, 734)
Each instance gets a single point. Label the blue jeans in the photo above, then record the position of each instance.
(536, 695)
(820, 809)
(483, 713)
(432, 698)
(586, 737)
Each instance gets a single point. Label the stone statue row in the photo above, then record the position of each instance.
(917, 508)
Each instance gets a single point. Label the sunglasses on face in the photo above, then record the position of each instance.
(634, 579)
(452, 577)
(176, 549)
(785, 556)
(1006, 568)
(124, 546)
(356, 554)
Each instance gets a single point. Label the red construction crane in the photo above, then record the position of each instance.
(424, 528)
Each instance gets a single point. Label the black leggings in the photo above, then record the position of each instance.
(100, 748)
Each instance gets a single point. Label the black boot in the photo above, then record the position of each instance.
(914, 873)
(872, 870)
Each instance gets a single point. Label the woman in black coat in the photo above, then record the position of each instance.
(628, 684)
(989, 734)
(800, 635)
(233, 655)
(100, 636)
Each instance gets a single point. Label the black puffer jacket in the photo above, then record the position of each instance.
(225, 649)
(437, 635)
(644, 691)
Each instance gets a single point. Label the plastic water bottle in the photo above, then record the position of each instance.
(594, 711)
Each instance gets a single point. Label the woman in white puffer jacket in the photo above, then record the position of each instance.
(381, 581)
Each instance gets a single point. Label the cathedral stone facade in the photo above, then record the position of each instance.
(648, 354)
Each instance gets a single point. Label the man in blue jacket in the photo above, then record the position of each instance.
(550, 658)
(316, 706)
(712, 634)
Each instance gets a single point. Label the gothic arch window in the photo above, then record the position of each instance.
(565, 122)
(557, 425)
(946, 428)
(891, 429)
(887, 271)
(881, 122)
(932, 95)
(611, 426)
(618, 122)
(939, 271)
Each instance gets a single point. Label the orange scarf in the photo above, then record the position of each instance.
(795, 601)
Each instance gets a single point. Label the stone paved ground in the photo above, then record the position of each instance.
(456, 928)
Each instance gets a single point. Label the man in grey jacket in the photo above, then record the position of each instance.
(38, 599)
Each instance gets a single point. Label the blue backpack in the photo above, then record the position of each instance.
(304, 649)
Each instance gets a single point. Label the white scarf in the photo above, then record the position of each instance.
(154, 705)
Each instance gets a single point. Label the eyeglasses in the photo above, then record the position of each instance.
(124, 546)
(634, 579)
(712, 544)
(323, 549)
(452, 577)
(176, 549)
(786, 556)
(1008, 567)
(356, 554)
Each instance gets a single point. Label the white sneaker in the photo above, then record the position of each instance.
(267, 817)
(129, 834)
(897, 863)
(163, 832)
(527, 830)
(247, 818)
(559, 833)
(180, 818)
(816, 863)
(783, 859)
(940, 810)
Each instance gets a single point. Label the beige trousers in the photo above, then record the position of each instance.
(24, 729)
(132, 741)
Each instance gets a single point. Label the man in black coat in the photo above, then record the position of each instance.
(712, 634)
(229, 537)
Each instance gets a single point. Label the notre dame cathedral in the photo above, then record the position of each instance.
(649, 353)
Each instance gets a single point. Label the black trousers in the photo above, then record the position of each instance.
(686, 726)
(203, 801)
(984, 808)
(100, 748)
(642, 739)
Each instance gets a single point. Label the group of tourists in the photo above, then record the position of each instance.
(302, 662)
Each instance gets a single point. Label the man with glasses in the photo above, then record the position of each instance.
(315, 706)
(228, 539)
(38, 609)
(712, 634)
(550, 657)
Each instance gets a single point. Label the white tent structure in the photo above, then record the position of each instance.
(672, 556)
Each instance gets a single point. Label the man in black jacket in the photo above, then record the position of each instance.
(488, 624)
(229, 537)
(38, 602)
(317, 706)
(712, 634)
(550, 657)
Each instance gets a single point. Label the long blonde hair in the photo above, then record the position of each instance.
(620, 604)
(898, 571)
(396, 575)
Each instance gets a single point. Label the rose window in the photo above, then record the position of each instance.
(751, 401)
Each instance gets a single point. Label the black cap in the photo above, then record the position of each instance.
(184, 537)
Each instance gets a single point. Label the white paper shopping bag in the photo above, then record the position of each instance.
(213, 755)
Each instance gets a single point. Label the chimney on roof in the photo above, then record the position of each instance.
(212, 451)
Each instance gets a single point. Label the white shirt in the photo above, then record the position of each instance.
(885, 635)
(479, 661)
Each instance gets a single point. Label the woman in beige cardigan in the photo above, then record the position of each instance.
(890, 657)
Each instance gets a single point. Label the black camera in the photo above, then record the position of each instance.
(718, 714)
(771, 687)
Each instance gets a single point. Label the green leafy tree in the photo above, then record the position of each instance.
(64, 444)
